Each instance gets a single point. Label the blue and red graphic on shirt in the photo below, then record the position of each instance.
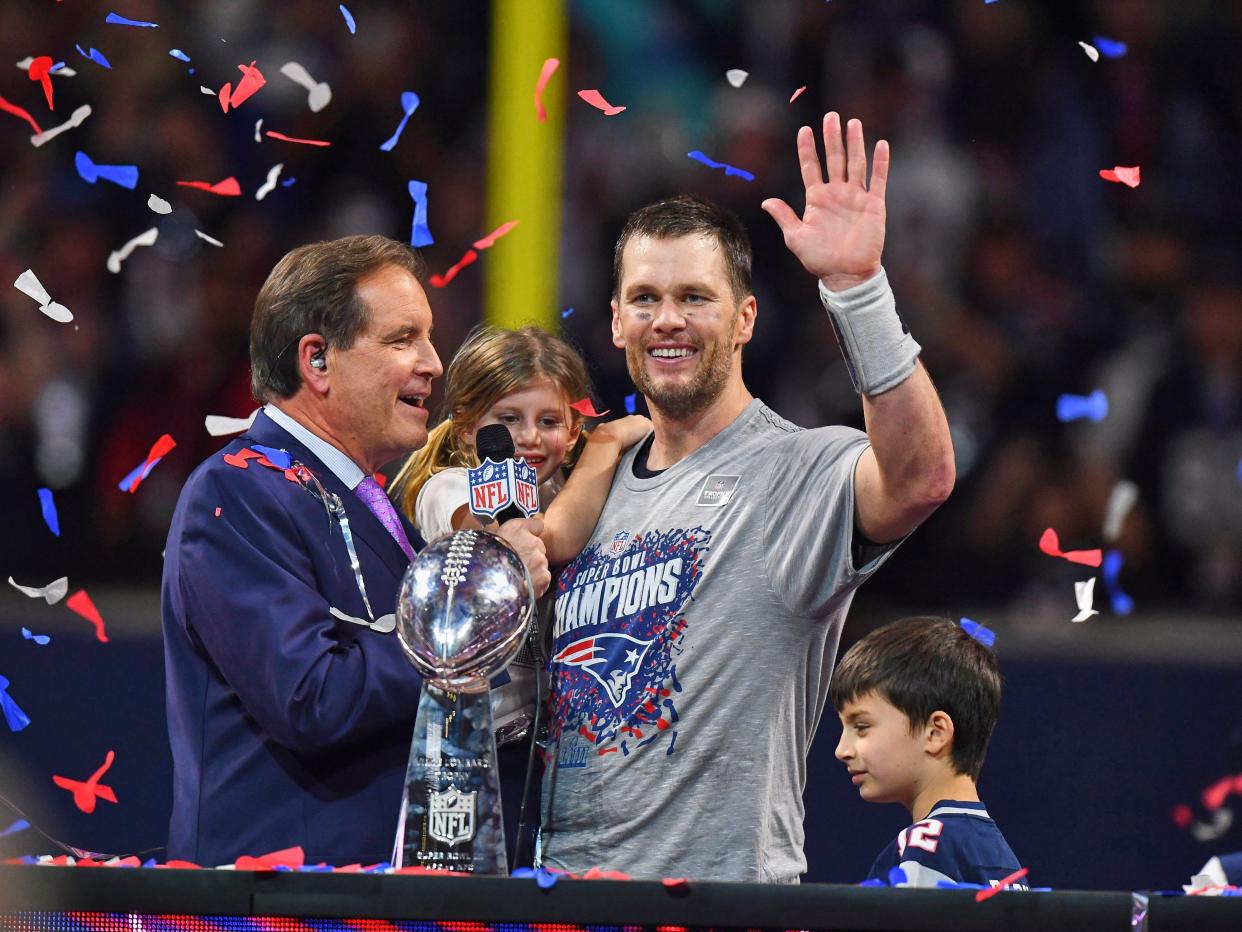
(620, 626)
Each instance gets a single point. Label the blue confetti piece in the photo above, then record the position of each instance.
(409, 103)
(177, 53)
(565, 313)
(897, 876)
(631, 403)
(349, 20)
(873, 882)
(40, 639)
(49, 511)
(420, 235)
(116, 20)
(288, 182)
(95, 55)
(949, 884)
(139, 472)
(522, 872)
(1109, 48)
(19, 826)
(545, 878)
(59, 65)
(149, 862)
(981, 633)
(16, 718)
(1093, 407)
(1110, 569)
(728, 169)
(124, 175)
(276, 457)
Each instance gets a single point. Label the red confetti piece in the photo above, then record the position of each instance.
(40, 70)
(1127, 176)
(596, 100)
(181, 865)
(1050, 545)
(286, 857)
(797, 93)
(86, 792)
(439, 281)
(304, 142)
(81, 603)
(596, 873)
(239, 458)
(490, 239)
(252, 80)
(1182, 816)
(676, 883)
(1005, 881)
(226, 188)
(159, 449)
(584, 407)
(19, 112)
(545, 73)
(1215, 795)
(381, 480)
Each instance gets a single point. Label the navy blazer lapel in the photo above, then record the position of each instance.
(365, 526)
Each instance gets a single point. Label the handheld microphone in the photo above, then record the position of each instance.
(501, 489)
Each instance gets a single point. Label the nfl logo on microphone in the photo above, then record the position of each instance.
(494, 486)
(452, 816)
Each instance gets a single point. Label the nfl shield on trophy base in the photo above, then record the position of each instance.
(464, 607)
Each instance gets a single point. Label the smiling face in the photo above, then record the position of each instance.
(377, 388)
(680, 324)
(541, 422)
(886, 762)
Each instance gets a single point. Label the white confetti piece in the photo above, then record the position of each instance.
(1092, 52)
(1121, 499)
(258, 126)
(52, 593)
(28, 284)
(159, 205)
(220, 426)
(142, 239)
(319, 94)
(1084, 595)
(206, 90)
(79, 115)
(201, 235)
(736, 76)
(270, 184)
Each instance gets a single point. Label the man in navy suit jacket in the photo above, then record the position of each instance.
(290, 702)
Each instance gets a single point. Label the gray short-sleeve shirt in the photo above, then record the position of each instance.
(693, 642)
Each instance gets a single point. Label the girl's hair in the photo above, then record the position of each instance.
(491, 363)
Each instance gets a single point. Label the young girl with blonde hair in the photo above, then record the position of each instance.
(525, 379)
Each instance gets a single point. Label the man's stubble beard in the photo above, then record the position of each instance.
(680, 402)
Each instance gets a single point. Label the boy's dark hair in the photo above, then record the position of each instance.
(923, 665)
(683, 215)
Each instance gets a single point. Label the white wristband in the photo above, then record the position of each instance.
(878, 349)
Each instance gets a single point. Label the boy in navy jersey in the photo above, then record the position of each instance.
(918, 700)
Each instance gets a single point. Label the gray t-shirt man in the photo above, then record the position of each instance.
(693, 643)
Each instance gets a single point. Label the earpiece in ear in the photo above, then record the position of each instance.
(318, 362)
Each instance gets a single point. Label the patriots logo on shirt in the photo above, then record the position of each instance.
(618, 634)
(613, 659)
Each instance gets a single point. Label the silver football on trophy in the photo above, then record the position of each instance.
(464, 607)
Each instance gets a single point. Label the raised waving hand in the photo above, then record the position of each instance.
(840, 236)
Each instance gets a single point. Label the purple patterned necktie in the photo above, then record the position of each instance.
(374, 497)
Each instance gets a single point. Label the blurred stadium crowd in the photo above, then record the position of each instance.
(1021, 272)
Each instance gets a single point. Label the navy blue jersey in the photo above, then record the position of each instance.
(957, 841)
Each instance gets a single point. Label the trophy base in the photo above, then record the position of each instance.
(451, 815)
